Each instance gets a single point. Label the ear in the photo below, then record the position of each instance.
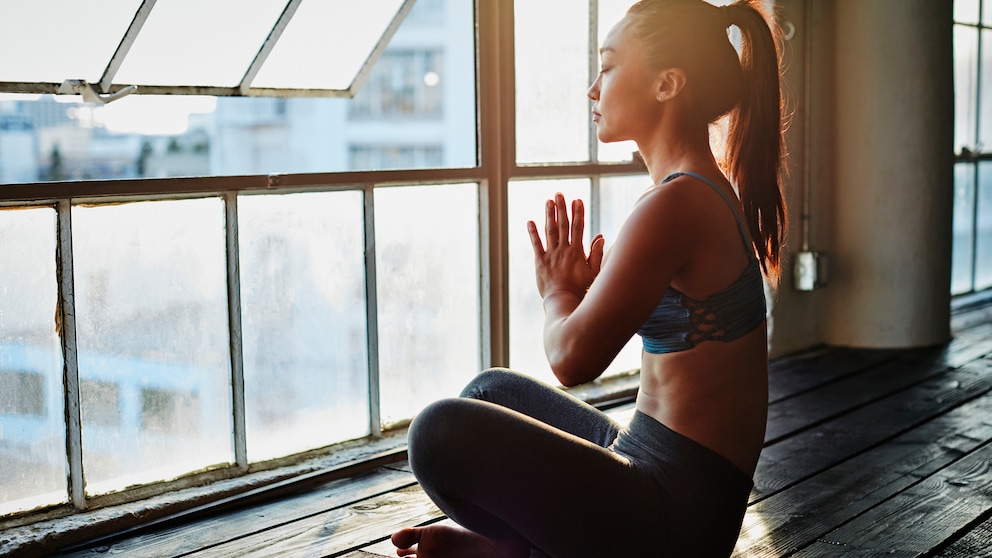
(670, 82)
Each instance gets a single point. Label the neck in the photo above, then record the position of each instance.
(667, 151)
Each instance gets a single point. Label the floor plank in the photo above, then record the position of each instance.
(976, 542)
(335, 532)
(811, 451)
(184, 539)
(917, 520)
(791, 518)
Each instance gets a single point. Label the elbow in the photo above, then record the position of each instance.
(571, 369)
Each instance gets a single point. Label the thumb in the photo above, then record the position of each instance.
(596, 253)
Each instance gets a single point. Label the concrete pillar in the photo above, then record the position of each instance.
(890, 244)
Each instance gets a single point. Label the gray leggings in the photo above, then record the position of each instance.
(514, 458)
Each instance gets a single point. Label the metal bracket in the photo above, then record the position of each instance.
(90, 95)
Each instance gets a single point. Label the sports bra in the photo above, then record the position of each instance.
(680, 322)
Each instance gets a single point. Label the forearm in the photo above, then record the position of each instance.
(558, 307)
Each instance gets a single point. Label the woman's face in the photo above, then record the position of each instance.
(625, 104)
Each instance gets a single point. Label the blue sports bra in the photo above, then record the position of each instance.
(680, 323)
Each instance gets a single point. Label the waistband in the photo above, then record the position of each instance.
(647, 439)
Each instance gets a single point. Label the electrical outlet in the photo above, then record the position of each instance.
(809, 272)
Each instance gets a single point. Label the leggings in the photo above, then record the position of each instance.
(516, 459)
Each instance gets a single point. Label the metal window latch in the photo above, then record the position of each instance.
(90, 95)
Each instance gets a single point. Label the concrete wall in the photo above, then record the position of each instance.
(879, 173)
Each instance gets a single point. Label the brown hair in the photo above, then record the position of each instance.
(691, 35)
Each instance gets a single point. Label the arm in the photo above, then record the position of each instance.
(593, 307)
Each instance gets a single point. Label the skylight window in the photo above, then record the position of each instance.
(274, 48)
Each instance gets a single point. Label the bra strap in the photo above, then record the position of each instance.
(726, 198)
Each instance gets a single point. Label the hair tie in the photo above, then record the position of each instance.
(725, 12)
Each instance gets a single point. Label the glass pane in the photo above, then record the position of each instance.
(985, 102)
(983, 236)
(153, 345)
(325, 44)
(969, 11)
(67, 39)
(526, 203)
(552, 77)
(427, 266)
(610, 12)
(617, 197)
(32, 428)
(965, 87)
(303, 321)
(417, 110)
(964, 228)
(966, 11)
(178, 44)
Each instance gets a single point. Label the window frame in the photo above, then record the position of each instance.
(975, 156)
(496, 168)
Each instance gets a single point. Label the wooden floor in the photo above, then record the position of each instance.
(868, 453)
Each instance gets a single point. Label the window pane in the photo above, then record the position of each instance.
(552, 76)
(67, 39)
(178, 44)
(326, 43)
(965, 87)
(985, 107)
(966, 11)
(986, 11)
(526, 203)
(32, 431)
(983, 240)
(427, 267)
(303, 321)
(617, 197)
(151, 315)
(405, 83)
(964, 228)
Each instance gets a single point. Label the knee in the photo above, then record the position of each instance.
(488, 382)
(436, 432)
(438, 426)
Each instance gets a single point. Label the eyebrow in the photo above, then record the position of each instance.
(605, 50)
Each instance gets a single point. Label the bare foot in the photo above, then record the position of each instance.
(453, 541)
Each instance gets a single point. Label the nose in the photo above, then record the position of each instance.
(593, 92)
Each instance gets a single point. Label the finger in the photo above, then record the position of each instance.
(596, 254)
(535, 239)
(562, 217)
(551, 223)
(578, 222)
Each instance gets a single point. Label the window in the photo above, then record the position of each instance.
(972, 252)
(168, 411)
(383, 157)
(102, 405)
(301, 272)
(22, 393)
(405, 83)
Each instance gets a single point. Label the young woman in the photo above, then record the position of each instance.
(523, 467)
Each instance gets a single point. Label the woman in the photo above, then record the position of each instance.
(521, 466)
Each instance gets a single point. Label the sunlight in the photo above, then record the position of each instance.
(754, 529)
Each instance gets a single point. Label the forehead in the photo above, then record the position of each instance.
(618, 39)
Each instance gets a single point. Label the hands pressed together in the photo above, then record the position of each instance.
(563, 265)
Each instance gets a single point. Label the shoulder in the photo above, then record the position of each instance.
(672, 210)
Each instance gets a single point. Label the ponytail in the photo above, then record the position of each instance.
(755, 154)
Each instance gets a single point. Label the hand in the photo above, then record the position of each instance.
(563, 265)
